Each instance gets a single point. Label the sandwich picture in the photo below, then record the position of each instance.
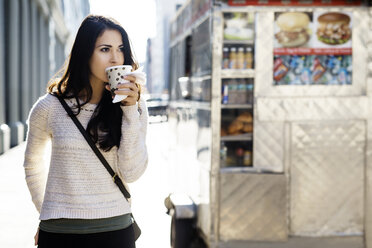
(294, 30)
(334, 28)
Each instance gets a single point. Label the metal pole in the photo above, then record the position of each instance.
(4, 129)
(12, 73)
(34, 53)
(43, 55)
(25, 74)
(47, 40)
(2, 69)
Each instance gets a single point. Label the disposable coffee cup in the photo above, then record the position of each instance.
(115, 76)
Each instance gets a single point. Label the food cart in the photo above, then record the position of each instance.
(270, 107)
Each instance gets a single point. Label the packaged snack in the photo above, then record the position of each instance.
(280, 69)
(318, 70)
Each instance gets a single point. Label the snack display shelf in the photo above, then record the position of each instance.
(243, 42)
(206, 74)
(226, 170)
(237, 80)
(191, 104)
(237, 73)
(201, 78)
(238, 137)
(236, 106)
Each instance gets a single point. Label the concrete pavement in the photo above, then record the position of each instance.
(19, 218)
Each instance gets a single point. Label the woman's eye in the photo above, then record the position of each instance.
(105, 49)
(121, 49)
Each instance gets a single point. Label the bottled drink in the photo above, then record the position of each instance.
(247, 161)
(241, 92)
(249, 92)
(248, 58)
(233, 58)
(233, 91)
(239, 156)
(223, 154)
(225, 94)
(240, 58)
(225, 58)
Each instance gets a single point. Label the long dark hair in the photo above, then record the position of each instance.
(105, 125)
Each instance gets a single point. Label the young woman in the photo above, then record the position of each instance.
(79, 204)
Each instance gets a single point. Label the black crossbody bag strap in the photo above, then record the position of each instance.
(114, 176)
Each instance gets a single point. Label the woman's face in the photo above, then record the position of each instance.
(108, 51)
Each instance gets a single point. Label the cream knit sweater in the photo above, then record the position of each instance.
(77, 185)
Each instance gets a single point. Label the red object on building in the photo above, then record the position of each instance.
(294, 2)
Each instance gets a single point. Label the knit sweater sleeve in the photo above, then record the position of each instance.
(132, 154)
(37, 138)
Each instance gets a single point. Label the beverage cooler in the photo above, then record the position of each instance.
(271, 113)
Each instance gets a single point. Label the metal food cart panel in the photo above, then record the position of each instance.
(204, 140)
(268, 145)
(327, 178)
(368, 176)
(324, 108)
(264, 59)
(253, 207)
(368, 183)
(301, 242)
(204, 211)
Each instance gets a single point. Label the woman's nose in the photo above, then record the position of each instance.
(115, 57)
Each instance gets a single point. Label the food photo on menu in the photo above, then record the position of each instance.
(333, 28)
(312, 48)
(238, 26)
(293, 29)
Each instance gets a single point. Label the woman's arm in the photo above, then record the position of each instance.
(37, 138)
(132, 154)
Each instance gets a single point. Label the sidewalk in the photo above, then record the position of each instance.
(19, 218)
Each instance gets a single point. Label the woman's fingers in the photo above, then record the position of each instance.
(36, 237)
(130, 78)
(127, 92)
(127, 89)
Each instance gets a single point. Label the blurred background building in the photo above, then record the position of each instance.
(35, 36)
(157, 62)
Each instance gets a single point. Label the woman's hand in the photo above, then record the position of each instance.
(130, 89)
(36, 238)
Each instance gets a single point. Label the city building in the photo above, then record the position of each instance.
(35, 36)
(157, 64)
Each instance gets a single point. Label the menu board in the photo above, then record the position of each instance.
(295, 2)
(312, 48)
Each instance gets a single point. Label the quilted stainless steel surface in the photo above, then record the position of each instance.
(268, 145)
(301, 242)
(253, 207)
(264, 58)
(327, 178)
(324, 108)
(368, 176)
(217, 42)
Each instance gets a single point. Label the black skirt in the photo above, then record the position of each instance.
(115, 239)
